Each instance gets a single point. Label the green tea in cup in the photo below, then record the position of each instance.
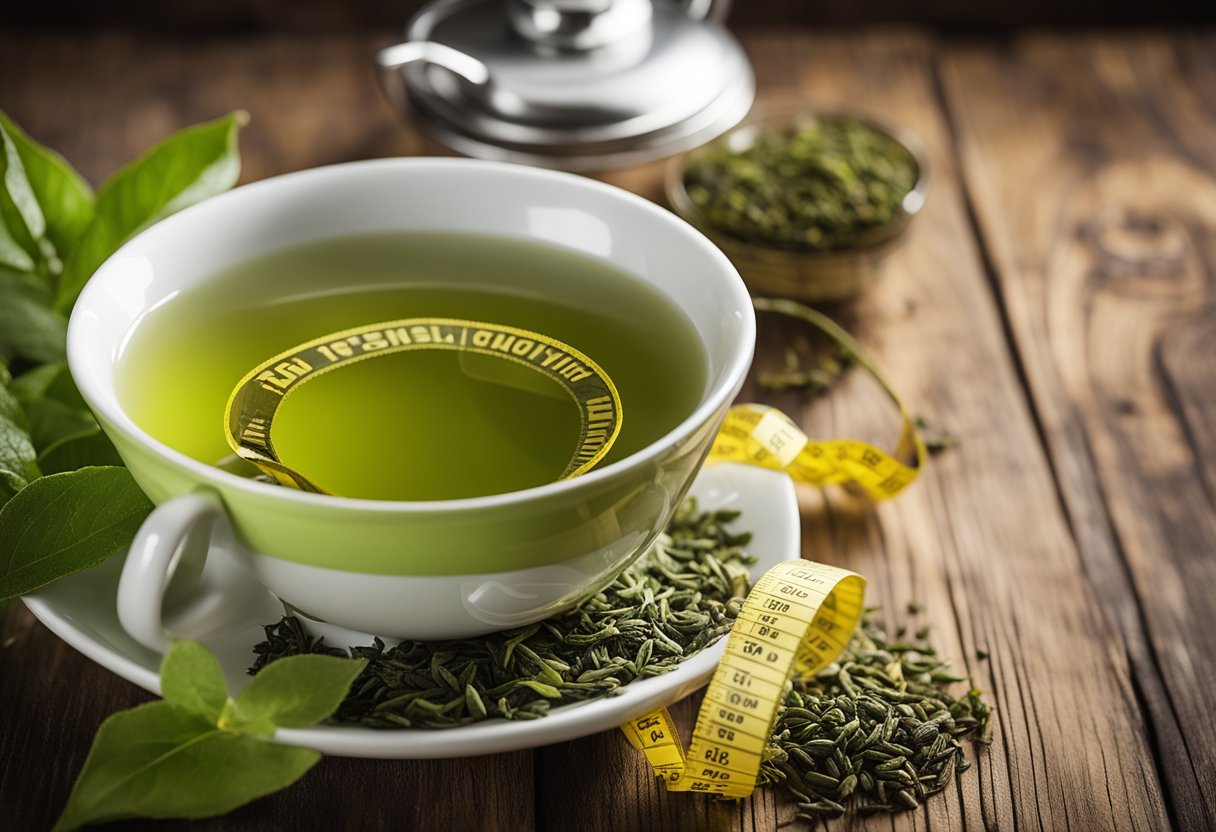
(416, 425)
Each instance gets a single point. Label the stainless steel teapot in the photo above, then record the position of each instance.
(571, 84)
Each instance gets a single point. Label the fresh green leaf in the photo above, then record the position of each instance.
(91, 448)
(59, 420)
(28, 326)
(48, 381)
(12, 253)
(161, 761)
(191, 678)
(63, 523)
(191, 756)
(63, 431)
(17, 467)
(297, 691)
(17, 464)
(65, 198)
(10, 405)
(33, 383)
(17, 185)
(190, 165)
(51, 421)
(20, 213)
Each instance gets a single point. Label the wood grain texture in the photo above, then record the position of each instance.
(981, 540)
(1081, 563)
(1095, 189)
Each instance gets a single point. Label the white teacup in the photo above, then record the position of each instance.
(427, 570)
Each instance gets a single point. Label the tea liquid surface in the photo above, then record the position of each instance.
(421, 425)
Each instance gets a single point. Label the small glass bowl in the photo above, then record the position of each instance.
(833, 275)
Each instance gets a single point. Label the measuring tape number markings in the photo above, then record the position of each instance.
(256, 399)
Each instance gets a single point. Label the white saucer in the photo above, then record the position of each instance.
(81, 610)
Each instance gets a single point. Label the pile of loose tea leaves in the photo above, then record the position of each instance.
(814, 188)
(679, 598)
(877, 730)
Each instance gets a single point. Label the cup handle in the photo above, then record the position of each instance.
(172, 585)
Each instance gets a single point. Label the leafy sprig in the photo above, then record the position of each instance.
(66, 502)
(200, 752)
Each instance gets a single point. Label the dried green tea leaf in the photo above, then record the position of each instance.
(668, 606)
(877, 730)
(815, 187)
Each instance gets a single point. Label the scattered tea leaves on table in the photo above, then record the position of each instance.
(936, 438)
(827, 365)
(877, 730)
(815, 187)
(673, 602)
(63, 523)
(193, 755)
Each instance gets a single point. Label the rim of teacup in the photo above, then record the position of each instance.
(104, 400)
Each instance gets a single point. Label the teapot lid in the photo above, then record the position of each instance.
(507, 81)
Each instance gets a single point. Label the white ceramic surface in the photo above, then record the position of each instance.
(81, 610)
(578, 533)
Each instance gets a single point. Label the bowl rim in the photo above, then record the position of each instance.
(103, 399)
(778, 116)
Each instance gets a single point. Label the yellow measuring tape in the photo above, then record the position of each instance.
(798, 616)
(254, 402)
(797, 619)
(761, 435)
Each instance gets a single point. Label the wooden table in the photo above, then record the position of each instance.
(1052, 307)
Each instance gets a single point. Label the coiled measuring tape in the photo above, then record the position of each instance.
(798, 616)
(761, 435)
(249, 417)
